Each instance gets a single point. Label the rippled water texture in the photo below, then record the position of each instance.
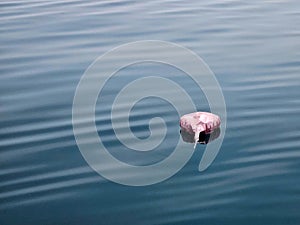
(253, 47)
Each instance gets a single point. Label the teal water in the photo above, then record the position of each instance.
(252, 47)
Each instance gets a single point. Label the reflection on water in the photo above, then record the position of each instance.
(252, 47)
(204, 138)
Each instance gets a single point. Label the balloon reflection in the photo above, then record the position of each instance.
(203, 137)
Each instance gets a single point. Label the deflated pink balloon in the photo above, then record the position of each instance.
(198, 122)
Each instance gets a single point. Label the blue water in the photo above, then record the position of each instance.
(253, 47)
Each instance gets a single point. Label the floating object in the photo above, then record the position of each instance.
(199, 124)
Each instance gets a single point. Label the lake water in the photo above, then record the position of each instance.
(253, 48)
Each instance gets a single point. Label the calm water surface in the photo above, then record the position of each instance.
(253, 47)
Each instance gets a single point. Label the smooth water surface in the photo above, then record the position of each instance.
(253, 47)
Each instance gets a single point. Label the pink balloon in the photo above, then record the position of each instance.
(199, 122)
